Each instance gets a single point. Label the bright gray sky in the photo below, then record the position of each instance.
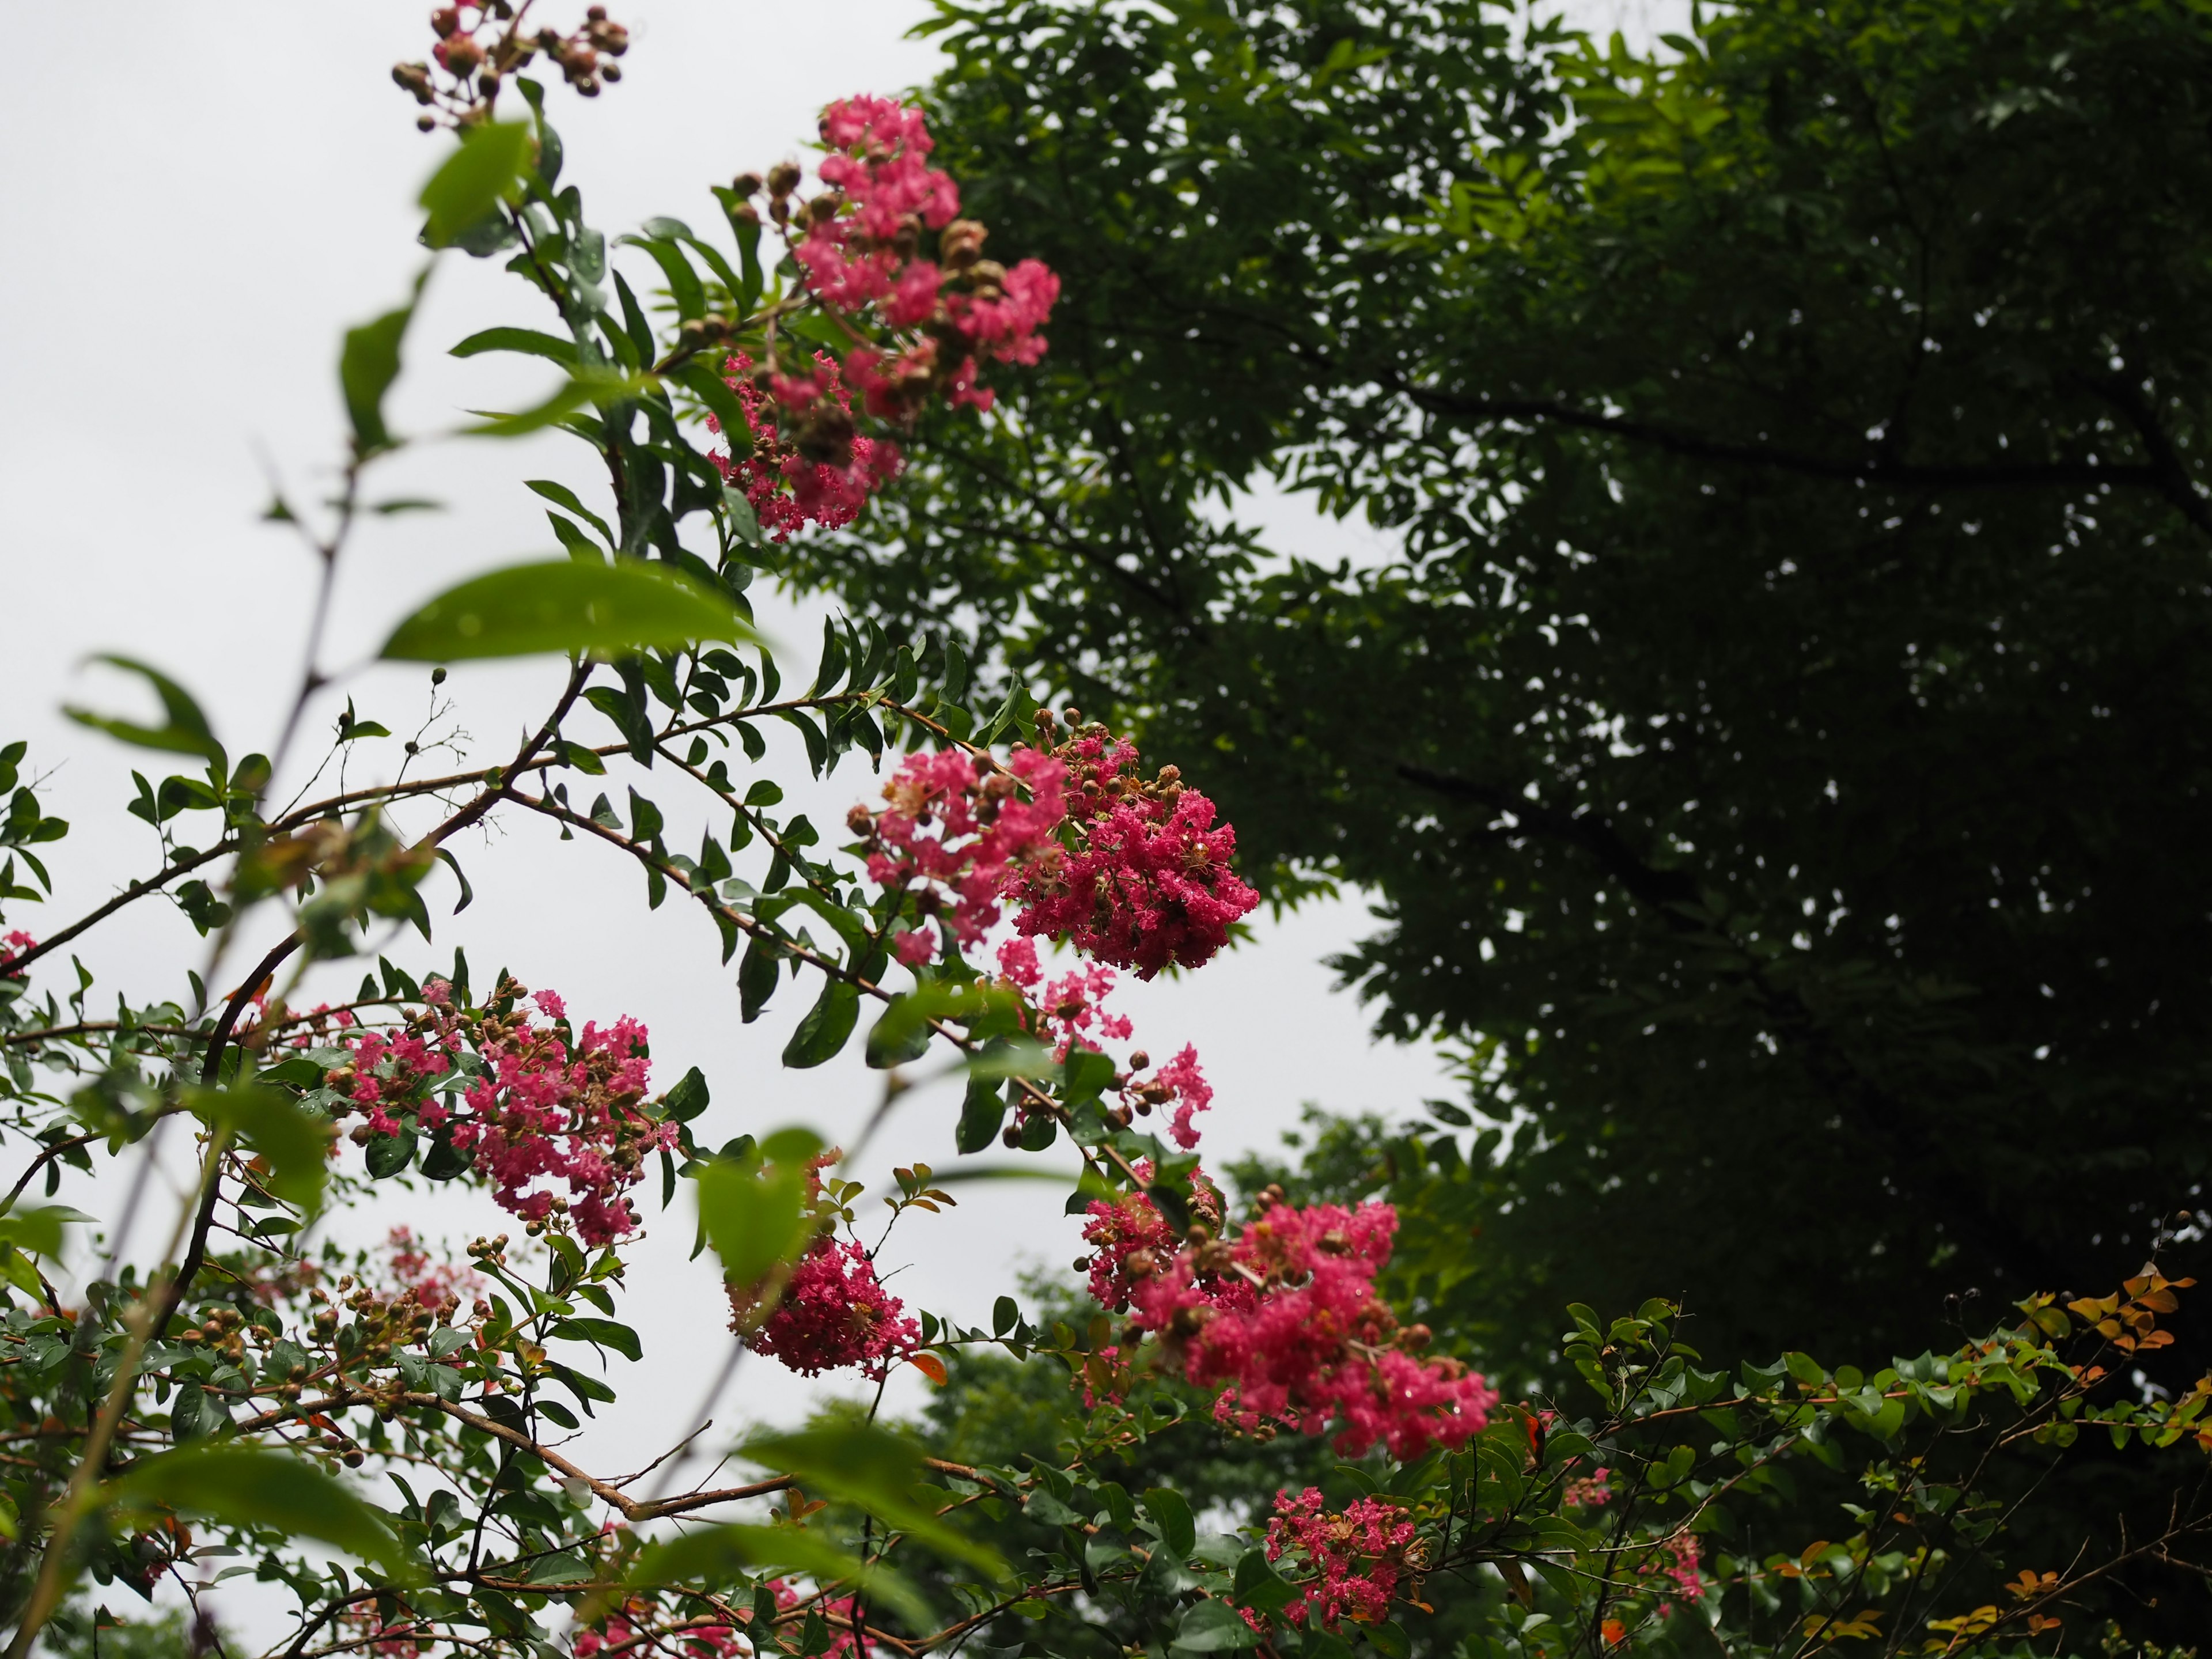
(195, 212)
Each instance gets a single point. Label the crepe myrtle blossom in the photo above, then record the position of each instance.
(1359, 1556)
(1142, 879)
(835, 1314)
(922, 327)
(823, 471)
(544, 1107)
(1284, 1322)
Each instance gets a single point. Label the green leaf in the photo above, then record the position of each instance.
(560, 605)
(714, 1554)
(561, 495)
(485, 171)
(38, 1231)
(295, 1141)
(368, 365)
(186, 730)
(754, 1212)
(688, 1098)
(1215, 1627)
(879, 1471)
(981, 1113)
(588, 384)
(1171, 1513)
(251, 1487)
(1259, 1586)
(386, 1156)
(529, 341)
(826, 1025)
(604, 1332)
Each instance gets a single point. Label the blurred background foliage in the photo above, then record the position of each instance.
(1775, 735)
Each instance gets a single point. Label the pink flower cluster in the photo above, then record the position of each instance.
(1285, 1323)
(537, 1111)
(1593, 1491)
(836, 1313)
(921, 326)
(634, 1630)
(16, 944)
(824, 473)
(432, 1282)
(957, 829)
(1689, 1585)
(866, 250)
(1147, 882)
(1070, 1013)
(1358, 1556)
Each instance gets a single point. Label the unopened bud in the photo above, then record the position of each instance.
(1011, 1137)
(461, 54)
(745, 214)
(595, 13)
(445, 20)
(610, 72)
(783, 179)
(823, 209)
(745, 184)
(1074, 717)
(1139, 1060)
(858, 820)
(1082, 1264)
(1415, 1336)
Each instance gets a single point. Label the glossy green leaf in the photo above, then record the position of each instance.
(562, 605)
(604, 1332)
(485, 171)
(822, 1031)
(295, 1141)
(38, 1228)
(368, 365)
(1213, 1627)
(529, 341)
(588, 385)
(248, 1487)
(688, 1098)
(754, 1210)
(879, 1472)
(1170, 1512)
(184, 730)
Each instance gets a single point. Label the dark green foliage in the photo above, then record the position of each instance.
(1780, 743)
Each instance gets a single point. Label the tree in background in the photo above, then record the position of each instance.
(1777, 743)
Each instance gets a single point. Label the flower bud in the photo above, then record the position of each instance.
(961, 244)
(1140, 1061)
(445, 20)
(461, 54)
(783, 179)
(1010, 1137)
(595, 13)
(610, 72)
(745, 184)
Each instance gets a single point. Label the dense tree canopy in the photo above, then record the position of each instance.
(1780, 745)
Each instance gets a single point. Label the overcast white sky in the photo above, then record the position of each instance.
(199, 201)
